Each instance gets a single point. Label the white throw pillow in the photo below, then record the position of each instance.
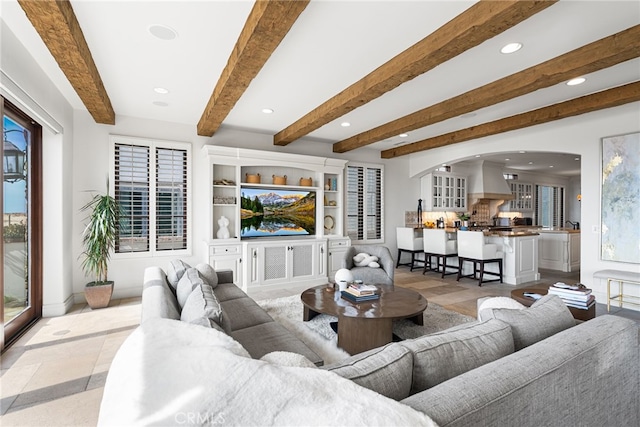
(497, 302)
(187, 283)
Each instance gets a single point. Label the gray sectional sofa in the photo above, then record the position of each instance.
(240, 317)
(530, 367)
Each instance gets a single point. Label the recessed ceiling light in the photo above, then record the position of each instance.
(530, 163)
(522, 151)
(162, 32)
(511, 47)
(550, 166)
(403, 135)
(507, 160)
(576, 81)
(160, 104)
(267, 110)
(345, 124)
(161, 90)
(577, 159)
(477, 155)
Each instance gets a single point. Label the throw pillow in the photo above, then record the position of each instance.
(447, 354)
(286, 358)
(202, 302)
(208, 274)
(190, 279)
(546, 317)
(176, 269)
(386, 370)
(497, 302)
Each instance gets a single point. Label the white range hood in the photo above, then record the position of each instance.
(487, 182)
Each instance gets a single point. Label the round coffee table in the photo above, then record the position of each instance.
(365, 325)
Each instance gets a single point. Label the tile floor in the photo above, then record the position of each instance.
(54, 374)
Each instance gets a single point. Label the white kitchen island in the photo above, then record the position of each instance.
(520, 259)
(559, 249)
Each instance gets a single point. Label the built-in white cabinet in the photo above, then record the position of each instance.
(284, 262)
(237, 175)
(519, 258)
(444, 192)
(337, 250)
(523, 196)
(226, 255)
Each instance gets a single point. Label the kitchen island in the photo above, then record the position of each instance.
(520, 259)
(559, 249)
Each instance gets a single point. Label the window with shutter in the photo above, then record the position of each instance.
(364, 192)
(151, 184)
(549, 206)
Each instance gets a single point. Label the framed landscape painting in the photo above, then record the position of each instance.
(620, 196)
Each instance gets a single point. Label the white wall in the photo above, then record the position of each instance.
(16, 62)
(579, 135)
(92, 143)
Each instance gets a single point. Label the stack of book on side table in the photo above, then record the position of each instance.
(358, 292)
(577, 296)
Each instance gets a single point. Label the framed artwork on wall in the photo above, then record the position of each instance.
(620, 199)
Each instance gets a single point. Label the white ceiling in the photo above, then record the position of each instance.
(332, 45)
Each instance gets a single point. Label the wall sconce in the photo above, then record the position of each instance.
(12, 161)
(579, 197)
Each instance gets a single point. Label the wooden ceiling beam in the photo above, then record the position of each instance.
(58, 27)
(586, 104)
(477, 24)
(601, 54)
(267, 24)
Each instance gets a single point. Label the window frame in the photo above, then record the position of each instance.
(365, 166)
(153, 144)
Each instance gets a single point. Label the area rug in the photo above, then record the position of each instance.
(318, 335)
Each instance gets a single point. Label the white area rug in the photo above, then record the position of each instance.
(318, 335)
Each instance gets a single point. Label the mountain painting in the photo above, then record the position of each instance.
(277, 212)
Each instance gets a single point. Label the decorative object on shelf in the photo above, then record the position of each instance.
(223, 230)
(343, 277)
(420, 212)
(327, 186)
(306, 182)
(333, 203)
(224, 182)
(224, 200)
(329, 222)
(279, 180)
(252, 178)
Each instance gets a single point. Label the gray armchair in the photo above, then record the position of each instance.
(382, 275)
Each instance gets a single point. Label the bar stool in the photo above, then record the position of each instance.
(442, 245)
(408, 242)
(472, 248)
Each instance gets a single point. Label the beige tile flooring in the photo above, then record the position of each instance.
(54, 374)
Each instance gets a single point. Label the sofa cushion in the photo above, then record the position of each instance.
(187, 283)
(386, 370)
(444, 355)
(546, 317)
(261, 339)
(496, 302)
(241, 313)
(227, 291)
(176, 269)
(208, 274)
(202, 302)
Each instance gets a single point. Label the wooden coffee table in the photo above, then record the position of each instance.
(366, 325)
(578, 314)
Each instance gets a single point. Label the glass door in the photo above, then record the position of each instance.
(21, 280)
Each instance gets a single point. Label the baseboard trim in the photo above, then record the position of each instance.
(55, 310)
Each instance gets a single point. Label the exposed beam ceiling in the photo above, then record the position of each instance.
(477, 24)
(606, 99)
(595, 56)
(267, 24)
(57, 25)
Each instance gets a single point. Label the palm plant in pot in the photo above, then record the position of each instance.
(99, 239)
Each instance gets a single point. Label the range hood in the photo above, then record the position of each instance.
(487, 182)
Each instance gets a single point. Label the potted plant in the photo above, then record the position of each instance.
(98, 239)
(464, 217)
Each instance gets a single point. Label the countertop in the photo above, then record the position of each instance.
(521, 233)
(558, 230)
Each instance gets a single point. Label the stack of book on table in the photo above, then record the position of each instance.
(573, 295)
(358, 292)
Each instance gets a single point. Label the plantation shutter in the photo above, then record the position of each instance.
(132, 193)
(364, 203)
(355, 202)
(171, 199)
